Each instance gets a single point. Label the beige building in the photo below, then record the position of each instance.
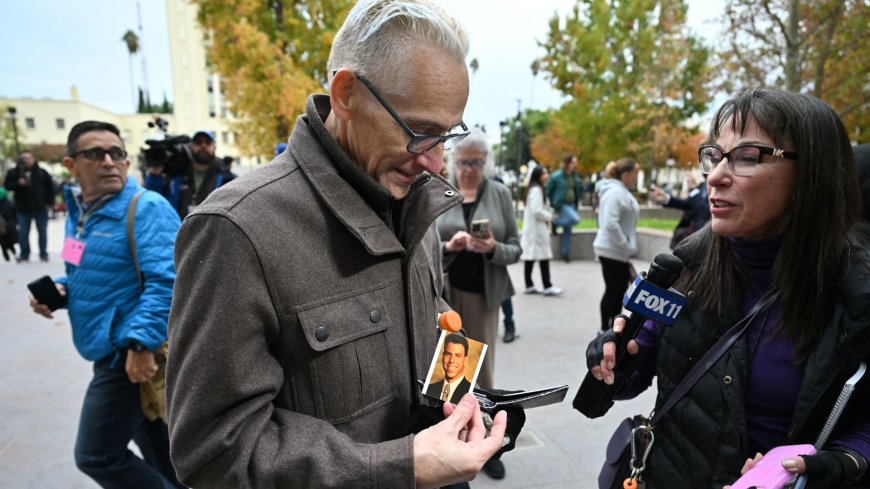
(198, 102)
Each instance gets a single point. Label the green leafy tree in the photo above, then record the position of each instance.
(270, 54)
(819, 47)
(633, 73)
(520, 131)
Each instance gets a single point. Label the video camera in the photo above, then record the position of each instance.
(171, 152)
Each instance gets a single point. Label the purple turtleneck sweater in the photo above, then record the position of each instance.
(773, 383)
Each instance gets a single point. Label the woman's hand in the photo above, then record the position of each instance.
(602, 351)
(482, 245)
(458, 242)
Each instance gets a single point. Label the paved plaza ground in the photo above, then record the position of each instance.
(43, 382)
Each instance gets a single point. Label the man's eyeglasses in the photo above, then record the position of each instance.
(470, 163)
(98, 154)
(742, 160)
(420, 142)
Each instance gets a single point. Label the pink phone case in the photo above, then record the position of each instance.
(768, 473)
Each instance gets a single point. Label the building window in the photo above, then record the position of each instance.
(225, 137)
(59, 123)
(30, 122)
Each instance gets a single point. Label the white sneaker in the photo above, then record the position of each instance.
(552, 290)
(533, 290)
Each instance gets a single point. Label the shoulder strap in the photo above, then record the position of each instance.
(713, 355)
(131, 217)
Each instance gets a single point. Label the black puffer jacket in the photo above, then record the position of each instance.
(701, 442)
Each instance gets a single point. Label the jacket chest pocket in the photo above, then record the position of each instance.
(351, 368)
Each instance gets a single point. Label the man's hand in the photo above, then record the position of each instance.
(22, 182)
(140, 366)
(458, 242)
(659, 196)
(455, 449)
(482, 245)
(604, 370)
(42, 309)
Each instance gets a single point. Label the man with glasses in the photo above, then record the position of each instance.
(118, 308)
(296, 363)
(33, 191)
(189, 188)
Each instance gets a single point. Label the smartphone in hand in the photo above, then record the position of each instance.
(768, 472)
(45, 292)
(480, 228)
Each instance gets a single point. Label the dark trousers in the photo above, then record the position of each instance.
(507, 308)
(41, 218)
(615, 284)
(545, 273)
(111, 417)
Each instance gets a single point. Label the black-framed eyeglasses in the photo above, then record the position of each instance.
(477, 163)
(742, 160)
(420, 142)
(98, 154)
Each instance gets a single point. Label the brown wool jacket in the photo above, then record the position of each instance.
(300, 323)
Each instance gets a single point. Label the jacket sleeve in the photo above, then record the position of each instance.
(49, 188)
(537, 206)
(608, 221)
(507, 251)
(678, 203)
(11, 182)
(227, 426)
(155, 227)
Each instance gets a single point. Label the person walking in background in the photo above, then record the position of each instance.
(564, 191)
(696, 209)
(616, 240)
(476, 264)
(118, 309)
(33, 191)
(535, 241)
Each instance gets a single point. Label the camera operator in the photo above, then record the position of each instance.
(187, 188)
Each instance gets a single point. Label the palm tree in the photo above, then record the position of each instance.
(474, 65)
(132, 40)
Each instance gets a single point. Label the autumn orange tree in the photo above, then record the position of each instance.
(633, 73)
(819, 47)
(270, 54)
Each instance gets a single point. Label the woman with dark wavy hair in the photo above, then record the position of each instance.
(785, 203)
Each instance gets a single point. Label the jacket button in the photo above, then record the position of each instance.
(449, 193)
(322, 333)
(727, 379)
(375, 316)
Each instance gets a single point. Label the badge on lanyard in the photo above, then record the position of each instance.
(73, 250)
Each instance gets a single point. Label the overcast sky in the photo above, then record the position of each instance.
(47, 46)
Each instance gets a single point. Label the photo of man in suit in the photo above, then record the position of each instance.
(453, 359)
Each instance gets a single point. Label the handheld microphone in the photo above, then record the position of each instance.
(649, 297)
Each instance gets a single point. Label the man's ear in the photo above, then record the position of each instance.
(344, 93)
(70, 164)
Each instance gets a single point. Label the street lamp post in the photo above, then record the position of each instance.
(12, 112)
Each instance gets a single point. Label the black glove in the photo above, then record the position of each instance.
(832, 468)
(516, 419)
(595, 350)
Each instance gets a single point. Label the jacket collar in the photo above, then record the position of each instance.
(114, 208)
(366, 207)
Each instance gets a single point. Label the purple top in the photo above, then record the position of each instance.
(773, 382)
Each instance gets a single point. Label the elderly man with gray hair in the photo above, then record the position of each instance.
(295, 364)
